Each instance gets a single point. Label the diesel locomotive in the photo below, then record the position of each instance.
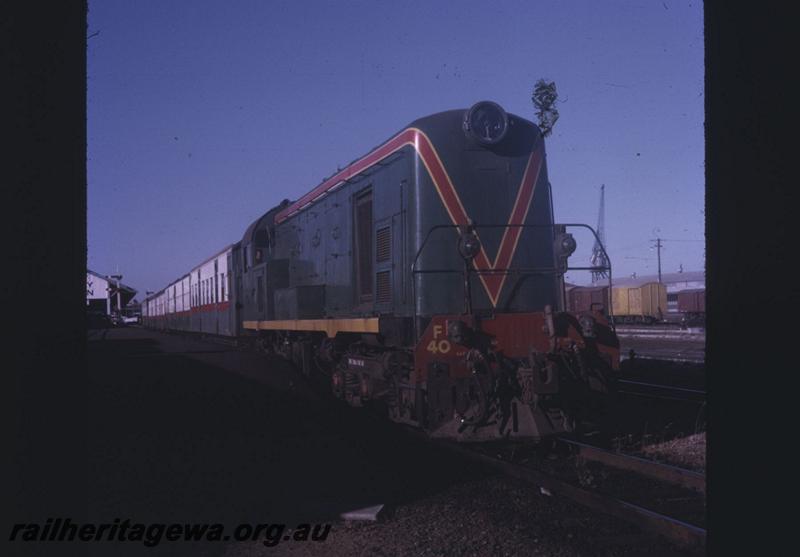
(424, 279)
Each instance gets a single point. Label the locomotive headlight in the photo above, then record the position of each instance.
(469, 245)
(587, 323)
(565, 245)
(486, 122)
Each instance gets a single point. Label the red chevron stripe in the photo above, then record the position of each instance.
(519, 214)
(447, 193)
(399, 141)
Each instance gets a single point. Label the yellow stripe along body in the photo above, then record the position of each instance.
(329, 326)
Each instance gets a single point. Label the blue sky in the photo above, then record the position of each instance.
(202, 115)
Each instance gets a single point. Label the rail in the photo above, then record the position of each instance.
(677, 531)
(656, 470)
(666, 392)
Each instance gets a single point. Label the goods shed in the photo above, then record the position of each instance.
(106, 294)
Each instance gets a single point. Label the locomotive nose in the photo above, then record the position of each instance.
(486, 122)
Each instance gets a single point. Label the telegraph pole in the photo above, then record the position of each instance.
(658, 250)
(119, 294)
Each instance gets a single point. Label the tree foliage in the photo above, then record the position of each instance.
(544, 98)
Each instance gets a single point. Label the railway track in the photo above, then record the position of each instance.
(674, 331)
(646, 467)
(665, 392)
(680, 532)
(668, 355)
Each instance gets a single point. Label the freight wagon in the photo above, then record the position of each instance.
(588, 298)
(639, 304)
(692, 306)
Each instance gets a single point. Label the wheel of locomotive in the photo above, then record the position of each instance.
(393, 398)
(326, 354)
(263, 345)
(301, 350)
(398, 365)
(283, 346)
(337, 382)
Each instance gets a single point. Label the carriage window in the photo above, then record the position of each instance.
(222, 286)
(363, 247)
(214, 282)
